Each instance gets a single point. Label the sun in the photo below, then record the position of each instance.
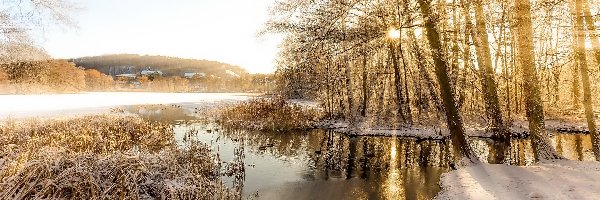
(394, 33)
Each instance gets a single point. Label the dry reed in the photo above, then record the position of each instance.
(103, 157)
(269, 114)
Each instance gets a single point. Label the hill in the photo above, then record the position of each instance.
(170, 66)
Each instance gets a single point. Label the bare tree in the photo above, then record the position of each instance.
(453, 118)
(540, 139)
(585, 77)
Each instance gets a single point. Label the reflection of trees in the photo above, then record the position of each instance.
(395, 167)
(574, 146)
(579, 146)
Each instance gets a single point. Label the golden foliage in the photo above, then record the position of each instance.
(97, 81)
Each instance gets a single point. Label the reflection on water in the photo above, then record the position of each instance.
(160, 113)
(322, 164)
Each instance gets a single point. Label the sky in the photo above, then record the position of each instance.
(219, 30)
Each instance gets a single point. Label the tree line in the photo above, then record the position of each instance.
(413, 62)
(172, 66)
(61, 76)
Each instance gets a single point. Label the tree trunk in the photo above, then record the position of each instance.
(585, 78)
(349, 92)
(363, 108)
(490, 93)
(540, 139)
(406, 104)
(348, 75)
(425, 75)
(453, 118)
(397, 84)
(591, 28)
(575, 71)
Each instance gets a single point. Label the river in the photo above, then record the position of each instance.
(324, 164)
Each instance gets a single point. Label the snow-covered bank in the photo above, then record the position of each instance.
(99, 102)
(561, 179)
(519, 129)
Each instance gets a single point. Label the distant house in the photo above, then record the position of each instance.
(151, 72)
(130, 76)
(192, 74)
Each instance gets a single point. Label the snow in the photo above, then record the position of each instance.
(518, 129)
(361, 129)
(16, 106)
(559, 179)
(305, 103)
(232, 73)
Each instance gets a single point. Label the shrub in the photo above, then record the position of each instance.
(269, 114)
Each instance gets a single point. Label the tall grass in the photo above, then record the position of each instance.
(269, 114)
(103, 157)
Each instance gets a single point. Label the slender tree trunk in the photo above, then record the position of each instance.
(363, 108)
(466, 55)
(453, 118)
(397, 84)
(575, 90)
(406, 104)
(488, 83)
(585, 79)
(456, 74)
(407, 109)
(591, 28)
(540, 139)
(425, 75)
(349, 92)
(490, 92)
(348, 76)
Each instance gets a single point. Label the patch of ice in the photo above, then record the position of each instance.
(98, 102)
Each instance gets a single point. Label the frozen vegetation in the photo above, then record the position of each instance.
(103, 157)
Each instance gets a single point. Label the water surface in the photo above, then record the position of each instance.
(323, 164)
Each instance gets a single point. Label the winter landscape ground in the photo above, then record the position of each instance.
(561, 179)
(300, 99)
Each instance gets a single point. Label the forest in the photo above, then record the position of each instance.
(360, 99)
(458, 62)
(168, 65)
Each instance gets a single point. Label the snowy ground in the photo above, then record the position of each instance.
(561, 179)
(518, 129)
(17, 106)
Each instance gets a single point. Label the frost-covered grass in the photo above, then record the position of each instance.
(560, 179)
(103, 157)
(269, 114)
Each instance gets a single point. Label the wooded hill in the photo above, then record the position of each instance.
(170, 66)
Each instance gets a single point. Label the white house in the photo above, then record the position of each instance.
(151, 72)
(192, 74)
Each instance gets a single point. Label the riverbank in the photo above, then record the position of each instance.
(560, 179)
(518, 129)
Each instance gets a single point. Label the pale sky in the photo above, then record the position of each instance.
(220, 30)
